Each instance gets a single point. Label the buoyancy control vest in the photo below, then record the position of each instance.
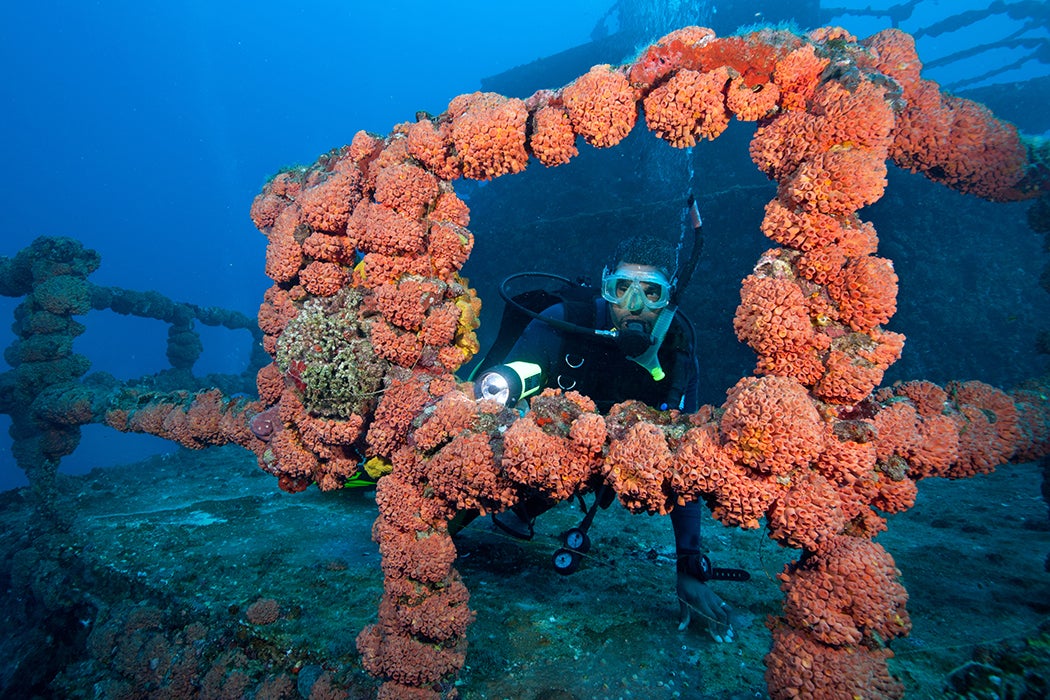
(598, 368)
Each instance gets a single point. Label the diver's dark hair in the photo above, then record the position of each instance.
(647, 250)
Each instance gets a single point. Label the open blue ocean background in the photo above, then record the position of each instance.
(145, 130)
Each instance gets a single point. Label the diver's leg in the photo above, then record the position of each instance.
(686, 523)
(518, 520)
(460, 520)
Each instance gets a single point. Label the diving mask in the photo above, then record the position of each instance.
(636, 289)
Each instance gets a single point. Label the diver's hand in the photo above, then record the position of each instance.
(695, 598)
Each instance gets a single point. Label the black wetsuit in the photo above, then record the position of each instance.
(597, 368)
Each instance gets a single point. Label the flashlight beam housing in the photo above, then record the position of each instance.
(509, 383)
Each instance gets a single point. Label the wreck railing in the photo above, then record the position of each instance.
(48, 392)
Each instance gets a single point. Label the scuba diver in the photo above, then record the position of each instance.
(625, 341)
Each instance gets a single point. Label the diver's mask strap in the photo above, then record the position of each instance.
(649, 359)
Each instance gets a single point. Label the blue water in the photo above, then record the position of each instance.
(145, 129)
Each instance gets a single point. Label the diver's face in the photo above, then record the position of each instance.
(630, 311)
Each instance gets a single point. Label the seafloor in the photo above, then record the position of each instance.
(150, 591)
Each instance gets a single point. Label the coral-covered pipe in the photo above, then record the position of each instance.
(368, 318)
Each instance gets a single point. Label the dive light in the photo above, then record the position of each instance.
(510, 383)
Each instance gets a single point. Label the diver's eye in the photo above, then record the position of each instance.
(621, 287)
(652, 291)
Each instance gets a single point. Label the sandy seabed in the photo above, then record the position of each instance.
(206, 534)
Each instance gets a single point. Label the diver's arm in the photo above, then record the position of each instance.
(539, 345)
(526, 368)
(693, 593)
(539, 342)
(691, 574)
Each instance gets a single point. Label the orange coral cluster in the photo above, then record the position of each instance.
(856, 364)
(949, 139)
(452, 453)
(817, 480)
(637, 466)
(373, 229)
(840, 609)
(419, 639)
(430, 144)
(553, 141)
(829, 161)
(774, 319)
(864, 602)
(797, 76)
(771, 425)
(601, 106)
(994, 166)
(689, 105)
(302, 449)
(401, 403)
(865, 292)
(544, 459)
(967, 430)
(809, 515)
(460, 465)
(800, 666)
(677, 50)
(466, 474)
(558, 447)
(488, 133)
(192, 420)
(751, 102)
